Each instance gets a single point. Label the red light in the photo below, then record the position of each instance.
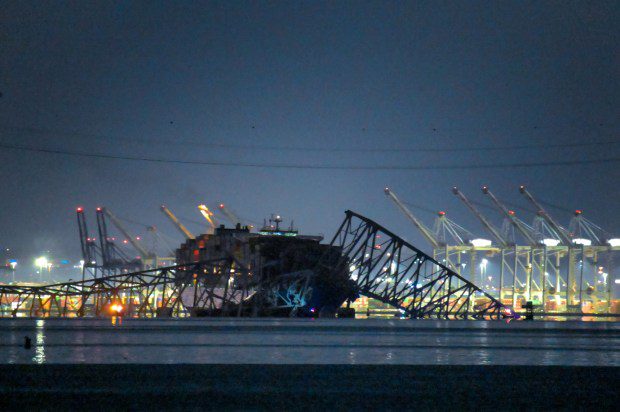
(137, 237)
(98, 209)
(79, 209)
(221, 205)
(511, 212)
(578, 212)
(125, 241)
(377, 246)
(442, 213)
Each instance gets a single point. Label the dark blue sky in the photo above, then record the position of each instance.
(176, 79)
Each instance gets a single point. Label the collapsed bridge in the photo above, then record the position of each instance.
(375, 262)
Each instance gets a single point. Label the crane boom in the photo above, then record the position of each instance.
(177, 223)
(428, 234)
(208, 215)
(560, 232)
(480, 217)
(143, 252)
(513, 220)
(230, 215)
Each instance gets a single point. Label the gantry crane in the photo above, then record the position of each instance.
(510, 215)
(441, 250)
(426, 232)
(573, 251)
(141, 250)
(525, 257)
(561, 232)
(485, 222)
(88, 245)
(113, 259)
(177, 223)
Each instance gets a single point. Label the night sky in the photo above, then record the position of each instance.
(376, 89)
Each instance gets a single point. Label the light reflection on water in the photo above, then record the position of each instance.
(309, 341)
(40, 342)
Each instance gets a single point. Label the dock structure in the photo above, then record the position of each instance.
(560, 270)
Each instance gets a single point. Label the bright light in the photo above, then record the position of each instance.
(582, 241)
(480, 242)
(615, 242)
(116, 308)
(617, 281)
(13, 263)
(550, 242)
(41, 262)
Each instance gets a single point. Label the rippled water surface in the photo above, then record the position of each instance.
(286, 341)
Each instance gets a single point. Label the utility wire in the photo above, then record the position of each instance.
(316, 167)
(493, 148)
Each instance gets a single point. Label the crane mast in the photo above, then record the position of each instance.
(428, 235)
(177, 223)
(480, 217)
(511, 217)
(143, 252)
(89, 248)
(560, 232)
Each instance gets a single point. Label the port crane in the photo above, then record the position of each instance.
(208, 215)
(180, 226)
(133, 240)
(426, 232)
(88, 245)
(560, 231)
(452, 256)
(113, 259)
(485, 222)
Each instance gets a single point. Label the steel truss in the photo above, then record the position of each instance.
(220, 285)
(393, 271)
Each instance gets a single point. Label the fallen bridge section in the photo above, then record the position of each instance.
(391, 270)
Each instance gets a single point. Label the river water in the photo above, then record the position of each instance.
(309, 341)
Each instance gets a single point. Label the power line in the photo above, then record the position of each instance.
(494, 148)
(316, 167)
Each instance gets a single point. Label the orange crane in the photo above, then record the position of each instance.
(208, 215)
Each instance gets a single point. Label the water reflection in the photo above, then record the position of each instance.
(281, 342)
(39, 356)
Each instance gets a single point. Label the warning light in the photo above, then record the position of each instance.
(577, 212)
(116, 308)
(511, 212)
(125, 241)
(79, 209)
(441, 213)
(98, 209)
(221, 205)
(138, 238)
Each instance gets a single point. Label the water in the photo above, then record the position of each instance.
(309, 341)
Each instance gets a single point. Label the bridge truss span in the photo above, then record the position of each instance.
(215, 285)
(391, 270)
